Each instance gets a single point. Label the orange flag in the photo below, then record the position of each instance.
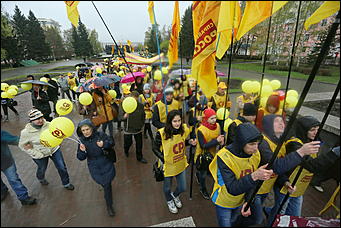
(173, 42)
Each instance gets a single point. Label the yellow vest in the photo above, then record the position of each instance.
(279, 112)
(237, 121)
(304, 178)
(176, 93)
(219, 100)
(72, 82)
(268, 184)
(162, 109)
(150, 101)
(240, 167)
(174, 152)
(249, 100)
(208, 136)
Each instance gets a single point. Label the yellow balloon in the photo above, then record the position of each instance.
(4, 86)
(12, 92)
(266, 82)
(263, 101)
(220, 113)
(43, 79)
(112, 93)
(291, 101)
(129, 104)
(227, 123)
(64, 107)
(157, 75)
(4, 95)
(164, 70)
(98, 70)
(85, 98)
(266, 90)
(124, 86)
(122, 67)
(247, 87)
(275, 84)
(149, 68)
(13, 87)
(293, 93)
(61, 127)
(48, 140)
(26, 86)
(121, 73)
(255, 86)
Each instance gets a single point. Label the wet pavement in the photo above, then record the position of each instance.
(138, 199)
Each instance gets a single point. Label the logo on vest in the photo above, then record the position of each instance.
(178, 150)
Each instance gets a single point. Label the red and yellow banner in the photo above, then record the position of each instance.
(173, 47)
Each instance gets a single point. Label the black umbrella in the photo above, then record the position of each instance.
(89, 64)
(37, 82)
(80, 65)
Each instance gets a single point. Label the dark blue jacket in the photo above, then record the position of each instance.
(102, 170)
(6, 156)
(245, 133)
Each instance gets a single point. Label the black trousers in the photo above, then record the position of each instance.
(5, 108)
(107, 193)
(148, 127)
(128, 141)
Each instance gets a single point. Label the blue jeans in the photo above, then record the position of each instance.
(181, 185)
(292, 207)
(110, 126)
(15, 182)
(58, 160)
(202, 174)
(227, 216)
(256, 217)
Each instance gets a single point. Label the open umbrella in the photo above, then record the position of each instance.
(130, 78)
(177, 73)
(219, 73)
(94, 83)
(37, 82)
(84, 64)
(112, 77)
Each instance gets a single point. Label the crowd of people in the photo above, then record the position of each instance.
(236, 156)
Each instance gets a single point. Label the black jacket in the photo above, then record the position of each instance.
(232, 129)
(53, 92)
(43, 104)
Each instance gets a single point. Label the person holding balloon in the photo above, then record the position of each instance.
(31, 143)
(148, 100)
(137, 85)
(101, 168)
(6, 100)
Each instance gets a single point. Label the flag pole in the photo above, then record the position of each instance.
(324, 119)
(320, 57)
(292, 54)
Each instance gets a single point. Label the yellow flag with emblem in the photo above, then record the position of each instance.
(229, 18)
(327, 9)
(173, 41)
(72, 12)
(203, 62)
(151, 12)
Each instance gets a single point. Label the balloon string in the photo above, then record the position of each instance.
(74, 140)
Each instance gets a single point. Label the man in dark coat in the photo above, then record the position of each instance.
(53, 93)
(10, 170)
(41, 101)
(102, 169)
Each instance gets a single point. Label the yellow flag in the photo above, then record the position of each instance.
(129, 42)
(198, 8)
(229, 18)
(327, 9)
(151, 12)
(173, 41)
(204, 50)
(255, 12)
(112, 49)
(72, 12)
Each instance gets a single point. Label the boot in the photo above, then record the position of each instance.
(110, 210)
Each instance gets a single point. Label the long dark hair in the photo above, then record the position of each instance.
(169, 129)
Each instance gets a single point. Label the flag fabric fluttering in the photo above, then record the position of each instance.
(112, 49)
(151, 12)
(72, 12)
(327, 9)
(173, 41)
(198, 9)
(255, 12)
(229, 18)
(203, 62)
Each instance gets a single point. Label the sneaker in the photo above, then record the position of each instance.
(318, 188)
(44, 182)
(110, 211)
(4, 194)
(69, 187)
(29, 201)
(205, 194)
(177, 201)
(171, 206)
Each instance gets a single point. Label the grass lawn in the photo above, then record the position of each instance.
(61, 68)
(258, 68)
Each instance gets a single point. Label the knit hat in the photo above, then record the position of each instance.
(146, 86)
(249, 109)
(34, 114)
(169, 90)
(222, 85)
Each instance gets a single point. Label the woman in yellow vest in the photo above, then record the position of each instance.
(209, 138)
(238, 166)
(73, 83)
(170, 147)
(148, 101)
(243, 99)
(218, 99)
(305, 132)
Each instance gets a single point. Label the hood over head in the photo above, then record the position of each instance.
(268, 127)
(303, 125)
(82, 123)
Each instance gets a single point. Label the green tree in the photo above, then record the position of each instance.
(68, 42)
(19, 24)
(85, 48)
(6, 33)
(186, 45)
(96, 45)
(150, 39)
(164, 46)
(54, 39)
(75, 41)
(37, 47)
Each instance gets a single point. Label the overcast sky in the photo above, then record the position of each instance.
(125, 19)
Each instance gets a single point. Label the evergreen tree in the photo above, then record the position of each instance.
(37, 47)
(55, 41)
(19, 24)
(75, 41)
(68, 43)
(85, 47)
(150, 38)
(96, 45)
(186, 35)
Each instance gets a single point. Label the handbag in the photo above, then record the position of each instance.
(110, 153)
(158, 172)
(204, 160)
(98, 120)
